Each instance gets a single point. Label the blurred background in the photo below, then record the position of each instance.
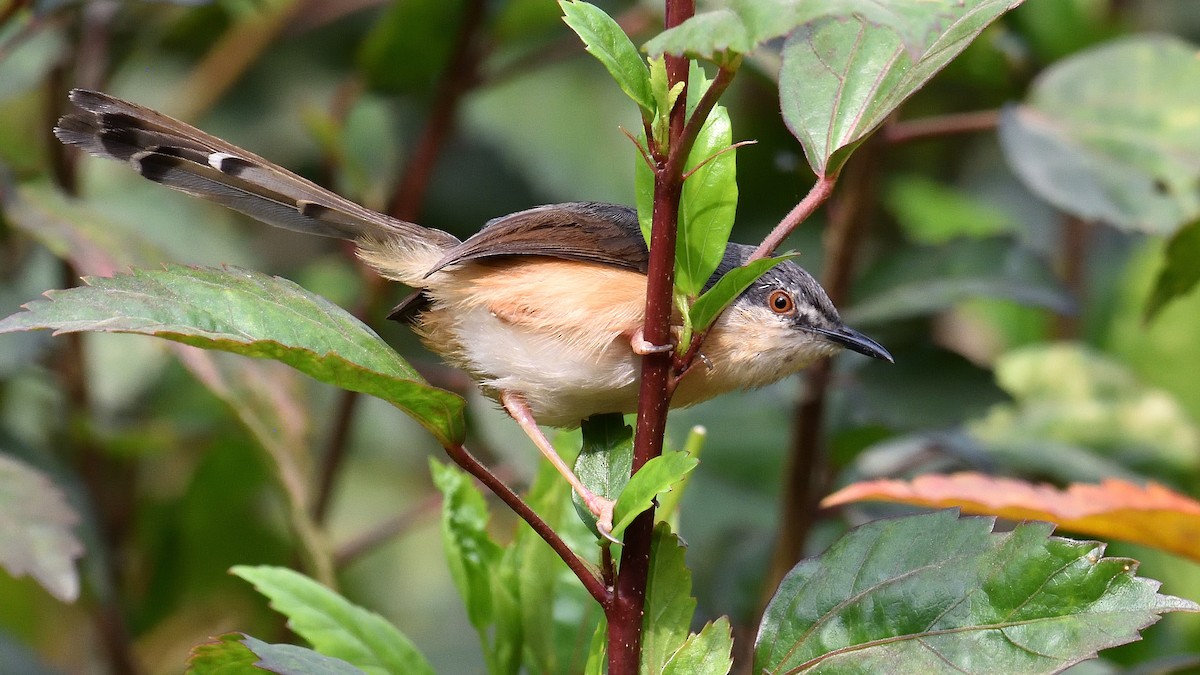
(1018, 327)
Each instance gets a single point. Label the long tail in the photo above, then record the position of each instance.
(182, 157)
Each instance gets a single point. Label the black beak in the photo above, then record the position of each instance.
(857, 342)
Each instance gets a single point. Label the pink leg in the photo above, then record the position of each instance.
(641, 346)
(599, 506)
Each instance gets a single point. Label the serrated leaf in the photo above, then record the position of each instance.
(656, 476)
(841, 78)
(333, 625)
(239, 654)
(1130, 160)
(709, 652)
(1180, 272)
(669, 602)
(935, 593)
(1115, 509)
(470, 552)
(733, 283)
(604, 39)
(36, 530)
(252, 314)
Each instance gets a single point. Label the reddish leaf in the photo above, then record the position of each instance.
(1114, 509)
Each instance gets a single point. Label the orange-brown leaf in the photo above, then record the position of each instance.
(1115, 509)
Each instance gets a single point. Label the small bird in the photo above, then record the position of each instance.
(544, 308)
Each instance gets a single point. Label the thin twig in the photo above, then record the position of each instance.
(821, 190)
(386, 531)
(587, 574)
(942, 125)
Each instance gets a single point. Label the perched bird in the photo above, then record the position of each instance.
(544, 307)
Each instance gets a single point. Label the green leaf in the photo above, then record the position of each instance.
(470, 552)
(606, 460)
(669, 602)
(709, 202)
(708, 205)
(36, 530)
(407, 47)
(668, 504)
(658, 475)
(239, 654)
(1128, 160)
(334, 626)
(252, 314)
(733, 283)
(841, 78)
(709, 652)
(934, 593)
(1180, 272)
(605, 40)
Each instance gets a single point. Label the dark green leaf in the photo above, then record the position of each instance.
(709, 306)
(610, 45)
(709, 652)
(606, 460)
(658, 475)
(669, 601)
(407, 48)
(470, 552)
(933, 593)
(1181, 269)
(841, 78)
(1128, 160)
(36, 530)
(252, 314)
(334, 626)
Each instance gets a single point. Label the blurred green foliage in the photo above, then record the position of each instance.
(1018, 331)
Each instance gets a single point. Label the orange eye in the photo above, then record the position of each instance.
(780, 302)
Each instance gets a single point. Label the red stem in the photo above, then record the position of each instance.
(816, 196)
(941, 125)
(625, 611)
(586, 574)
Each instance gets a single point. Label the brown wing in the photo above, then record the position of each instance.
(583, 231)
